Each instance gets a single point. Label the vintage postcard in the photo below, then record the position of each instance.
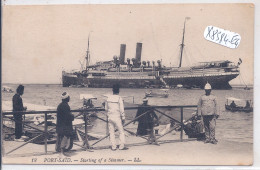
(140, 84)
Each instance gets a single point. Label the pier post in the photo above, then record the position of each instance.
(45, 132)
(86, 132)
(181, 124)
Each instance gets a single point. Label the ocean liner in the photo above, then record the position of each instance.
(134, 73)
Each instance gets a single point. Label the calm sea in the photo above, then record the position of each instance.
(231, 126)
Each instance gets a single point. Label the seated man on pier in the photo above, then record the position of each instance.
(146, 122)
(194, 128)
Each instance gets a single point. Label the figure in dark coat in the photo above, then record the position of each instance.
(247, 104)
(233, 104)
(64, 124)
(18, 117)
(146, 122)
(195, 128)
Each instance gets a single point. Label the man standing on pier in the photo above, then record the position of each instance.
(18, 117)
(208, 109)
(64, 124)
(116, 118)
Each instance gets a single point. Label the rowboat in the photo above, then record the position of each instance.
(239, 105)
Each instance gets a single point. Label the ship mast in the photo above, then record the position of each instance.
(182, 43)
(87, 55)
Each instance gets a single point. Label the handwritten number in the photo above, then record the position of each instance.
(222, 37)
(213, 34)
(234, 40)
(209, 30)
(218, 35)
(225, 39)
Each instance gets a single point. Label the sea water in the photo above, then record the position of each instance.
(231, 126)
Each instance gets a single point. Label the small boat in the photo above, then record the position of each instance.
(247, 88)
(164, 94)
(7, 89)
(179, 86)
(87, 104)
(239, 105)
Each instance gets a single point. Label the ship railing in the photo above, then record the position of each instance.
(179, 125)
(201, 72)
(129, 77)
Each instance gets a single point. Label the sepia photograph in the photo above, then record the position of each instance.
(128, 84)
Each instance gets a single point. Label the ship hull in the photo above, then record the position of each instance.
(125, 81)
(217, 81)
(69, 79)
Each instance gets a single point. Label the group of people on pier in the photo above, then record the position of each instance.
(205, 121)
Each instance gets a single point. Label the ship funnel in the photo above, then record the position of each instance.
(122, 54)
(138, 53)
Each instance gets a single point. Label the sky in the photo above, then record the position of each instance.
(38, 42)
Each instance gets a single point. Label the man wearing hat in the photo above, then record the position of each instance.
(146, 122)
(116, 118)
(64, 124)
(208, 109)
(18, 117)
